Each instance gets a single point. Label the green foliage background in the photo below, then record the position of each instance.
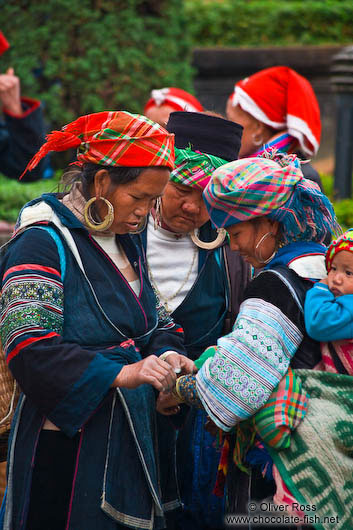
(83, 56)
(244, 23)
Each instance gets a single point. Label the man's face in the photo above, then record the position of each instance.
(183, 208)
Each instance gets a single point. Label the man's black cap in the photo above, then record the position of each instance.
(205, 133)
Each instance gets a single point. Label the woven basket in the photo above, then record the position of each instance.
(9, 394)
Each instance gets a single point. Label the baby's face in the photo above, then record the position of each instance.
(340, 277)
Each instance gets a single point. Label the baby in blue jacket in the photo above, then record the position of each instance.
(328, 308)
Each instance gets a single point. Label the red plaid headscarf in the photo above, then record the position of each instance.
(112, 139)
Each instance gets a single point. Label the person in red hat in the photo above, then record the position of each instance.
(87, 340)
(22, 132)
(163, 101)
(278, 109)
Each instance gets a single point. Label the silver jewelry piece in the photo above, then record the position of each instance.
(221, 235)
(259, 256)
(157, 222)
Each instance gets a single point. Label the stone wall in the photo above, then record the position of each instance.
(219, 68)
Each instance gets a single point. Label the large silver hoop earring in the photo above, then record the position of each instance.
(157, 222)
(221, 235)
(90, 221)
(258, 255)
(140, 227)
(255, 141)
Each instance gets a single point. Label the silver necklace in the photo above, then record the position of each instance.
(166, 299)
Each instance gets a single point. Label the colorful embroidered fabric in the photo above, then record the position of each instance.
(344, 242)
(193, 168)
(186, 389)
(283, 412)
(283, 142)
(273, 423)
(255, 187)
(249, 363)
(282, 99)
(112, 139)
(32, 301)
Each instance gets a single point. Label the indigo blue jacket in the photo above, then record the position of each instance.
(67, 331)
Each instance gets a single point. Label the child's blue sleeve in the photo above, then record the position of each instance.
(328, 318)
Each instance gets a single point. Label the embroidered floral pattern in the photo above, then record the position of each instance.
(28, 305)
(248, 363)
(186, 389)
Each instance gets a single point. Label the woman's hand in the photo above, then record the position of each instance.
(181, 364)
(151, 370)
(167, 404)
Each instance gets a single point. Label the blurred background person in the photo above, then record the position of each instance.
(163, 101)
(278, 109)
(22, 130)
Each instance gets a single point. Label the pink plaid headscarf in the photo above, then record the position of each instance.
(272, 186)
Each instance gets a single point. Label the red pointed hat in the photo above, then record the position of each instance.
(4, 45)
(282, 99)
(177, 98)
(112, 139)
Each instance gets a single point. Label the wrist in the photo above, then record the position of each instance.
(120, 379)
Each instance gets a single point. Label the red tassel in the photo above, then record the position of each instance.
(4, 44)
(56, 141)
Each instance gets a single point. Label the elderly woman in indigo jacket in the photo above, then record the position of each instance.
(277, 220)
(87, 341)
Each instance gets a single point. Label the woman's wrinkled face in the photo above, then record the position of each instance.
(183, 208)
(131, 201)
(340, 277)
(245, 236)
